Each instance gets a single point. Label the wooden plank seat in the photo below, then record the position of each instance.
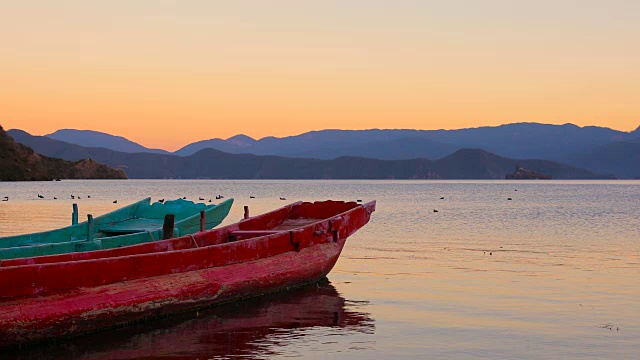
(291, 224)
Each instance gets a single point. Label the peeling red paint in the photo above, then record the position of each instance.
(60, 295)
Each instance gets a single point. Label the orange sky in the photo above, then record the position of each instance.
(166, 73)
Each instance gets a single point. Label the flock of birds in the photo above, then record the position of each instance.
(73, 197)
(218, 197)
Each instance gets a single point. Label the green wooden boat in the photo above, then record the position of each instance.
(133, 224)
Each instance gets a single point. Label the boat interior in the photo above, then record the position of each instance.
(290, 217)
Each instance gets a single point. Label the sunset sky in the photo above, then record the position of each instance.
(167, 73)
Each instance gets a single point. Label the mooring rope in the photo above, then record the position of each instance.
(194, 240)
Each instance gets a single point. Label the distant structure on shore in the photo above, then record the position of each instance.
(525, 174)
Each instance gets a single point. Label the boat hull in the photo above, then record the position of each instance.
(91, 309)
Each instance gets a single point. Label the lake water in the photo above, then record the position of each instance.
(553, 273)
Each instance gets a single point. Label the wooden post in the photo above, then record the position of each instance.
(74, 215)
(167, 226)
(203, 221)
(89, 227)
(246, 212)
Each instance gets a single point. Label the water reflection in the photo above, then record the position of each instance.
(251, 328)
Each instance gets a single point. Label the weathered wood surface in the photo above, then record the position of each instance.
(74, 215)
(167, 226)
(56, 297)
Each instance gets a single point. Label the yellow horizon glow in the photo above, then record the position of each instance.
(165, 74)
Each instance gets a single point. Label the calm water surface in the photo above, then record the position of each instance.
(552, 273)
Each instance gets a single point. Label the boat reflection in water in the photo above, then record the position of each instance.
(240, 328)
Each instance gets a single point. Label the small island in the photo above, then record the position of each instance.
(20, 163)
(525, 174)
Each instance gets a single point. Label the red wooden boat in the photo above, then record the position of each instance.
(69, 294)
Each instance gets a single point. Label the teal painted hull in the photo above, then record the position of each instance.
(133, 224)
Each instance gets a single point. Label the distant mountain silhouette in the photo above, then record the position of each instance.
(398, 149)
(235, 144)
(519, 140)
(621, 158)
(99, 139)
(563, 143)
(635, 135)
(215, 164)
(19, 163)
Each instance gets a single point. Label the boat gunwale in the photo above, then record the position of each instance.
(200, 248)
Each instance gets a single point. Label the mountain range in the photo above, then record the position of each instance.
(598, 149)
(19, 163)
(210, 163)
